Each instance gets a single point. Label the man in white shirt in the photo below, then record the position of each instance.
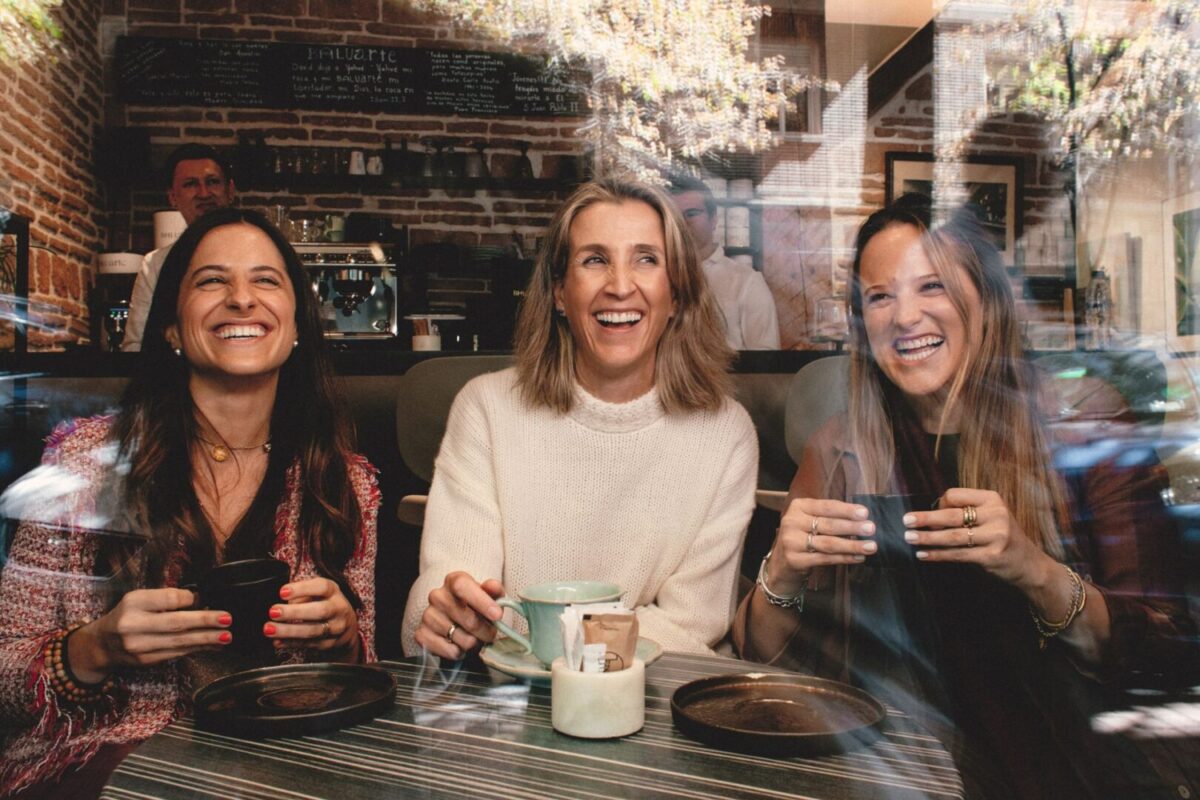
(200, 182)
(742, 293)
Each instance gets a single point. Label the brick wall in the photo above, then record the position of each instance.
(52, 110)
(818, 193)
(466, 217)
(815, 190)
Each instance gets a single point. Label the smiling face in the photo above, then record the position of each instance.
(915, 332)
(617, 297)
(199, 185)
(236, 312)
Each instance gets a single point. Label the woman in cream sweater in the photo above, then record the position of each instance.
(612, 451)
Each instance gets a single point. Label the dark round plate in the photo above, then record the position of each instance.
(294, 699)
(776, 714)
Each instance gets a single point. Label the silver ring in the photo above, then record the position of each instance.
(970, 537)
(812, 529)
(808, 546)
(325, 629)
(450, 633)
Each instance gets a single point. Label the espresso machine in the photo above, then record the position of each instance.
(357, 287)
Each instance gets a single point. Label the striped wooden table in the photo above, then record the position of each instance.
(466, 734)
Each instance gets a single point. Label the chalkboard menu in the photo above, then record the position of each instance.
(344, 77)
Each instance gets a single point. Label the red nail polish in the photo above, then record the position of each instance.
(275, 613)
(269, 629)
(285, 592)
(225, 638)
(225, 619)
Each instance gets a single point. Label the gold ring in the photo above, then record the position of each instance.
(450, 633)
(970, 516)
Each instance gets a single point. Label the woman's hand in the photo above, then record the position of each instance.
(316, 616)
(460, 615)
(993, 541)
(148, 626)
(816, 533)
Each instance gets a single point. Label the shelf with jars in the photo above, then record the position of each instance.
(439, 163)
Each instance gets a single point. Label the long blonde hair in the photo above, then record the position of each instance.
(692, 360)
(1003, 447)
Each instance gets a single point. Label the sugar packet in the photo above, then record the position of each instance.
(617, 632)
(577, 653)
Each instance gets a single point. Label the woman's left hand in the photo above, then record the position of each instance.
(993, 540)
(316, 616)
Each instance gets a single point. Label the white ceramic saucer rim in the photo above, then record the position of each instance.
(645, 644)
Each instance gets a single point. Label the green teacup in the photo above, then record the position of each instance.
(541, 606)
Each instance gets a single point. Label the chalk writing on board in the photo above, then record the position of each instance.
(153, 71)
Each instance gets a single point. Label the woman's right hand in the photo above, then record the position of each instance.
(460, 616)
(148, 626)
(816, 533)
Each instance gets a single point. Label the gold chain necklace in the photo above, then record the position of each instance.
(220, 453)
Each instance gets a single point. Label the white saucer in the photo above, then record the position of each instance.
(505, 655)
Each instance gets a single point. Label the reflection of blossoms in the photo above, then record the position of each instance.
(51, 511)
(1116, 77)
(669, 80)
(26, 28)
(1169, 721)
(49, 494)
(444, 698)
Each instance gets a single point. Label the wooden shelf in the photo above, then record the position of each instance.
(380, 185)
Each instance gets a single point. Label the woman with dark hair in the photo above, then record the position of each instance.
(611, 452)
(227, 446)
(1009, 569)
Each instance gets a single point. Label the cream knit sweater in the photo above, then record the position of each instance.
(626, 493)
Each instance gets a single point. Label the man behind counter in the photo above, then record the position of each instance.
(741, 292)
(200, 182)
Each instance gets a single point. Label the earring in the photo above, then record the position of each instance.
(178, 352)
(562, 312)
(295, 343)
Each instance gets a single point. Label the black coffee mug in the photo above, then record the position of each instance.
(887, 512)
(247, 590)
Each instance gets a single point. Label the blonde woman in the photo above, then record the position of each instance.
(970, 629)
(612, 451)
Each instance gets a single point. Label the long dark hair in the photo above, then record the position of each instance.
(157, 424)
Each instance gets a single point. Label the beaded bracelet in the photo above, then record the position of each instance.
(63, 681)
(1048, 630)
(795, 601)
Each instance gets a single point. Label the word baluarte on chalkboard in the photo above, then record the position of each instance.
(153, 71)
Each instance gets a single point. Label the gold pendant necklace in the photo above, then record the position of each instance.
(220, 453)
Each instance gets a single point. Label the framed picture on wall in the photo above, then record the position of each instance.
(1181, 248)
(14, 280)
(992, 185)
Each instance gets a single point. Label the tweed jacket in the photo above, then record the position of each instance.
(48, 583)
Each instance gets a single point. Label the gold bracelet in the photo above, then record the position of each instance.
(1048, 630)
(62, 680)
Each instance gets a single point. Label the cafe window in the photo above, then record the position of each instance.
(415, 152)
